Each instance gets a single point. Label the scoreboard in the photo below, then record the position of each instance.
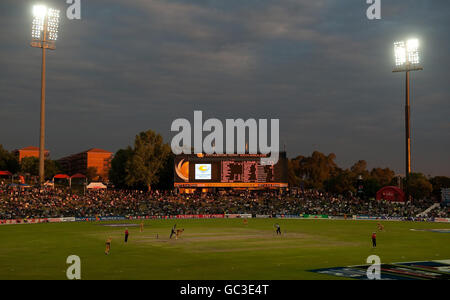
(229, 170)
(245, 171)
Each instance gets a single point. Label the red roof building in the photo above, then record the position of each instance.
(93, 158)
(29, 152)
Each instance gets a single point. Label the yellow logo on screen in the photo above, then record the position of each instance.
(182, 170)
(203, 168)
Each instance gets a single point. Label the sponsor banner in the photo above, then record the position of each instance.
(305, 216)
(200, 216)
(362, 217)
(410, 272)
(54, 220)
(69, 219)
(439, 266)
(111, 218)
(80, 219)
(383, 218)
(393, 218)
(6, 222)
(23, 221)
(232, 216)
(423, 270)
(290, 216)
(354, 273)
(418, 219)
(263, 216)
(371, 218)
(443, 220)
(35, 221)
(148, 217)
(100, 218)
(440, 230)
(346, 272)
(337, 218)
(213, 216)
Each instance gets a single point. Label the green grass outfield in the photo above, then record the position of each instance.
(212, 248)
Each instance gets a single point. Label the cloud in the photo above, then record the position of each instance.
(319, 66)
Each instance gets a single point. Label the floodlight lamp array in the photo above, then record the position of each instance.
(406, 53)
(53, 24)
(45, 17)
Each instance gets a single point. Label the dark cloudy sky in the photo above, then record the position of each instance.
(320, 66)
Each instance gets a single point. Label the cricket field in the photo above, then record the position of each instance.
(212, 248)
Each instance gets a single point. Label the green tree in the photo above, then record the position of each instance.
(8, 161)
(419, 186)
(341, 183)
(149, 157)
(293, 179)
(91, 174)
(360, 168)
(314, 170)
(51, 168)
(382, 176)
(438, 183)
(166, 174)
(371, 187)
(30, 165)
(118, 171)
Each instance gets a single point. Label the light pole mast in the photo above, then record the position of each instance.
(42, 126)
(44, 35)
(406, 60)
(407, 137)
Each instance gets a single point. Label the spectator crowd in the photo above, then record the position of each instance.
(16, 203)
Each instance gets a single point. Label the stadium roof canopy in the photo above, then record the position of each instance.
(96, 185)
(78, 175)
(391, 193)
(61, 176)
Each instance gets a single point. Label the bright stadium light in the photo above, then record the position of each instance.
(52, 24)
(39, 11)
(400, 53)
(44, 33)
(407, 59)
(45, 25)
(412, 49)
(407, 55)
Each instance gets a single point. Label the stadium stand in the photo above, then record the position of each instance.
(50, 203)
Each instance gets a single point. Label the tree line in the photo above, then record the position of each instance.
(149, 164)
(146, 165)
(29, 166)
(320, 171)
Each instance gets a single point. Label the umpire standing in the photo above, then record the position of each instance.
(126, 235)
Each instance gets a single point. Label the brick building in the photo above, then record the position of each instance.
(81, 162)
(29, 152)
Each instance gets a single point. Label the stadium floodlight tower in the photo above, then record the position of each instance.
(407, 59)
(44, 33)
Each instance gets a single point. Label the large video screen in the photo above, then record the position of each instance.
(202, 171)
(243, 170)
